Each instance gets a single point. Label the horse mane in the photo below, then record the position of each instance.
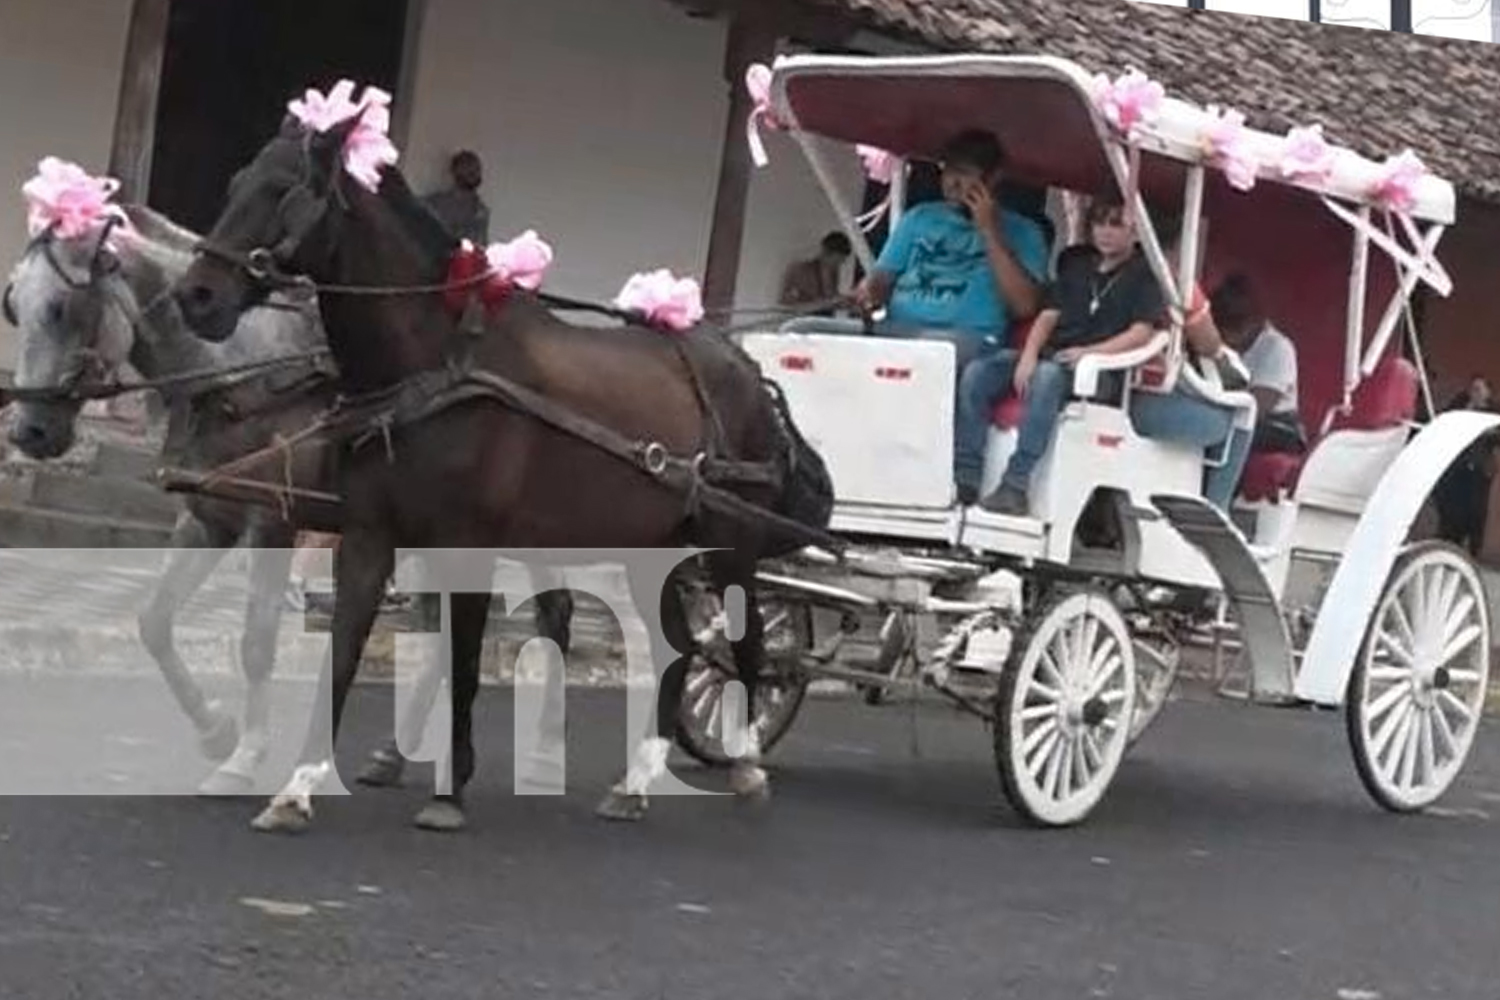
(429, 231)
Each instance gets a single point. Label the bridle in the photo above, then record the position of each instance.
(86, 370)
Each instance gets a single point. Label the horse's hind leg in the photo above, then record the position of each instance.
(270, 567)
(197, 549)
(542, 766)
(627, 799)
(746, 777)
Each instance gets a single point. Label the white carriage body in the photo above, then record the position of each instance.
(881, 412)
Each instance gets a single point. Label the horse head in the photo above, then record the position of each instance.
(308, 211)
(73, 312)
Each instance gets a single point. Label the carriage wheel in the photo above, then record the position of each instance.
(1156, 661)
(1417, 691)
(782, 688)
(1065, 709)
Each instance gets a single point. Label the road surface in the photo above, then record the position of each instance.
(1236, 857)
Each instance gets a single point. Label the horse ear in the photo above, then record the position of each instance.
(8, 306)
(328, 147)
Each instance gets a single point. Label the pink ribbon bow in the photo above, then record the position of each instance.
(1229, 147)
(1129, 101)
(1306, 157)
(65, 198)
(522, 262)
(1396, 186)
(368, 149)
(758, 83)
(664, 300)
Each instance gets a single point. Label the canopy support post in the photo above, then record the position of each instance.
(1354, 328)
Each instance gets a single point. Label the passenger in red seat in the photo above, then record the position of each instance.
(1104, 301)
(1271, 359)
(1184, 416)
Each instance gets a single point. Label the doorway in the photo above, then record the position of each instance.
(228, 71)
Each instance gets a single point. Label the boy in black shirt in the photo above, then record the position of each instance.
(1105, 300)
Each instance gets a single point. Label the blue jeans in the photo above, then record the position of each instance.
(984, 383)
(1185, 418)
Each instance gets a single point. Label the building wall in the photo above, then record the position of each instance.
(601, 127)
(60, 67)
(1462, 333)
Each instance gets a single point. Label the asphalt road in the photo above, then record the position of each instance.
(1236, 857)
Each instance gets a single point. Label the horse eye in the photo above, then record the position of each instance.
(55, 312)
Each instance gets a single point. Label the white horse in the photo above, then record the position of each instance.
(83, 309)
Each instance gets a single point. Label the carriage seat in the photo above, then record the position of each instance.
(1007, 412)
(1385, 401)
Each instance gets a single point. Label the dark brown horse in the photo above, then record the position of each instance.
(481, 473)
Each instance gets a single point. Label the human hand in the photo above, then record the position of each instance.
(1025, 368)
(1071, 355)
(981, 204)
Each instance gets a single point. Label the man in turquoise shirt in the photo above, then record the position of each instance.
(962, 269)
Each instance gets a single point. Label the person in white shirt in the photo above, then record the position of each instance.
(1271, 359)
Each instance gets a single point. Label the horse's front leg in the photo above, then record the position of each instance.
(197, 548)
(270, 567)
(387, 764)
(365, 561)
(470, 613)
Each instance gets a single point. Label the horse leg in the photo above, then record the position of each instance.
(627, 799)
(364, 563)
(270, 568)
(554, 613)
(387, 764)
(746, 777)
(196, 549)
(470, 613)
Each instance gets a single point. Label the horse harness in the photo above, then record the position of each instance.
(701, 478)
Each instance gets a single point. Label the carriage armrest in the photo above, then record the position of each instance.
(1211, 389)
(1086, 375)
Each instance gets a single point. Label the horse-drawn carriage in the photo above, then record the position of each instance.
(1078, 644)
(1067, 647)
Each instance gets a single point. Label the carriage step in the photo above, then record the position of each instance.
(115, 497)
(23, 527)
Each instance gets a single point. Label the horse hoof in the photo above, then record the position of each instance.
(223, 784)
(441, 817)
(622, 807)
(383, 771)
(221, 738)
(749, 783)
(283, 817)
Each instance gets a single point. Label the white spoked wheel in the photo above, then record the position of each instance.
(1065, 709)
(782, 688)
(1417, 691)
(1156, 661)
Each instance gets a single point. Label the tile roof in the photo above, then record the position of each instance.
(1376, 92)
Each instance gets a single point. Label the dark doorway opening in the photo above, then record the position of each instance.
(229, 70)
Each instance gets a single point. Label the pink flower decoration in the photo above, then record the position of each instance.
(1228, 146)
(758, 83)
(65, 198)
(1306, 156)
(1396, 187)
(368, 149)
(1128, 101)
(880, 166)
(522, 262)
(664, 300)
